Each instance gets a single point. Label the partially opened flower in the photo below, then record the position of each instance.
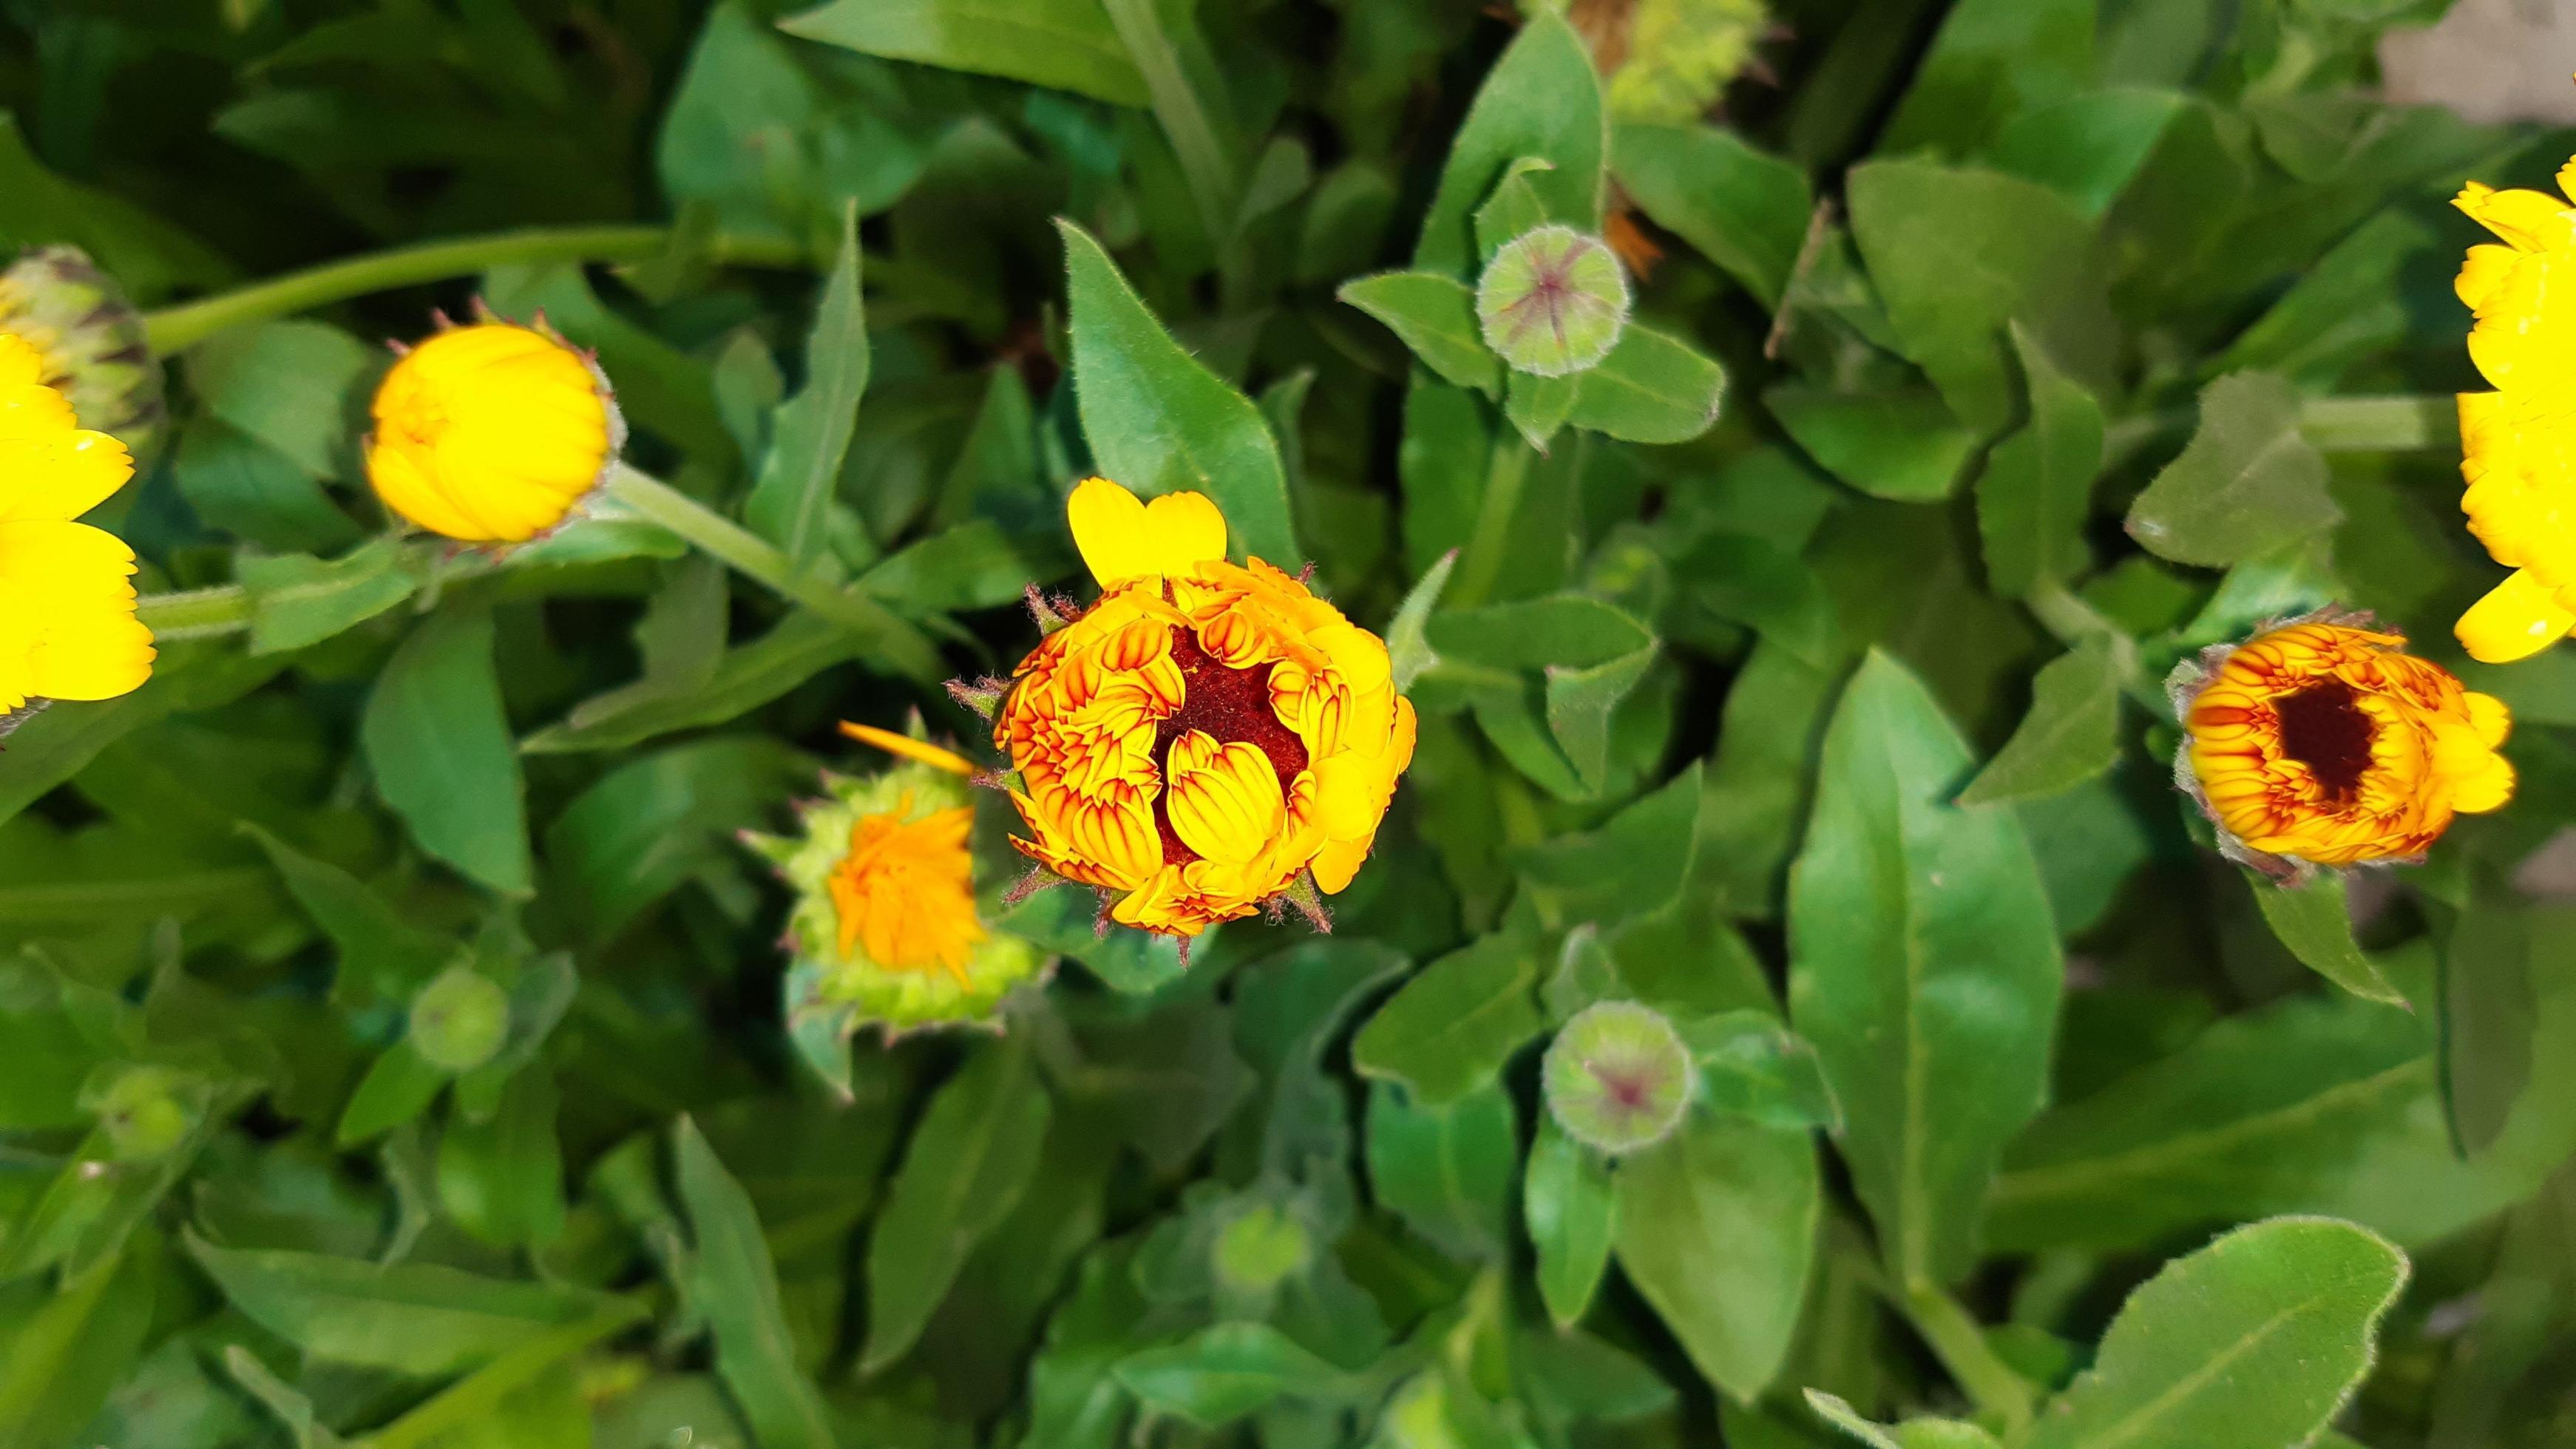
(2518, 452)
(885, 930)
(2321, 742)
(67, 625)
(1208, 735)
(492, 433)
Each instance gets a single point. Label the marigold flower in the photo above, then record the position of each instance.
(1206, 735)
(492, 433)
(2321, 742)
(2516, 451)
(92, 340)
(885, 928)
(67, 625)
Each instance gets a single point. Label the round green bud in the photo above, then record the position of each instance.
(1260, 1248)
(1617, 1077)
(92, 339)
(458, 1020)
(1552, 301)
(142, 1114)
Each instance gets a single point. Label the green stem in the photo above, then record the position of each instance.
(1506, 470)
(477, 1398)
(175, 329)
(196, 613)
(747, 553)
(2404, 424)
(1183, 116)
(1961, 1346)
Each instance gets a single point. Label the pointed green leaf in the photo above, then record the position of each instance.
(1451, 1028)
(736, 1286)
(2312, 920)
(438, 745)
(1543, 100)
(1068, 44)
(2070, 735)
(1571, 1206)
(1717, 1230)
(1741, 208)
(1652, 388)
(810, 434)
(1435, 315)
(2248, 482)
(2036, 490)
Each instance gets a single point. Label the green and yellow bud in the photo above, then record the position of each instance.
(1552, 301)
(1617, 1077)
(92, 342)
(459, 1020)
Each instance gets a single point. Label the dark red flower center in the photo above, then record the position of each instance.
(2323, 727)
(1228, 704)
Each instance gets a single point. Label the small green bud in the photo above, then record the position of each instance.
(1260, 1248)
(92, 339)
(1617, 1077)
(1552, 301)
(458, 1020)
(142, 1113)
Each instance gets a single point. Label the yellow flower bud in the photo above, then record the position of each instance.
(492, 433)
(67, 625)
(92, 340)
(2322, 742)
(1207, 734)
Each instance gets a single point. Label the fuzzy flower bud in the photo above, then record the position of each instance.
(1617, 1077)
(92, 342)
(492, 433)
(459, 1020)
(1552, 301)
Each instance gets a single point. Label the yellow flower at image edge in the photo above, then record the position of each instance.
(2518, 448)
(492, 433)
(2321, 742)
(67, 625)
(885, 930)
(1207, 734)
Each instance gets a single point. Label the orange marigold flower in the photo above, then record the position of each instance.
(492, 433)
(2322, 742)
(1206, 735)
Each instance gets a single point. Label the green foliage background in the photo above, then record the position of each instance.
(2060, 339)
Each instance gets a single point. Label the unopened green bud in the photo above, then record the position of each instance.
(1617, 1077)
(1552, 301)
(1679, 55)
(92, 340)
(142, 1113)
(458, 1020)
(1260, 1248)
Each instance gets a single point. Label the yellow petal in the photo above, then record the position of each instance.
(1339, 861)
(72, 583)
(34, 411)
(2483, 274)
(60, 478)
(1224, 801)
(1123, 537)
(2489, 717)
(2486, 790)
(2531, 220)
(906, 747)
(2517, 619)
(21, 365)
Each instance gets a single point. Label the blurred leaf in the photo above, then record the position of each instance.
(1652, 388)
(1717, 1230)
(1991, 61)
(149, 257)
(502, 1180)
(2036, 490)
(292, 385)
(1223, 1373)
(1447, 1171)
(735, 1284)
(969, 1160)
(1924, 968)
(1741, 208)
(650, 825)
(810, 433)
(2248, 482)
(746, 677)
(1912, 1434)
(2257, 1338)
(1751, 1067)
(1541, 100)
(58, 1363)
(1069, 44)
(2070, 735)
(396, 1089)
(1158, 420)
(1435, 315)
(2088, 146)
(438, 745)
(1449, 1030)
(244, 487)
(2312, 920)
(1572, 1207)
(1904, 445)
(297, 600)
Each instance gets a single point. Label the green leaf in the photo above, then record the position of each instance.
(59, 1362)
(748, 676)
(2256, 1339)
(1580, 702)
(1741, 208)
(2087, 147)
(502, 1180)
(1435, 315)
(1573, 631)
(1991, 61)
(734, 1283)
(1912, 1434)
(1447, 1171)
(1221, 1374)
(438, 745)
(1067, 44)
(1750, 1066)
(414, 1318)
(1906, 446)
(1957, 254)
(2037, 487)
(654, 823)
(376, 945)
(2247, 483)
(810, 433)
(1542, 99)
(1652, 388)
(2313, 921)
(244, 487)
(1923, 967)
(1717, 1230)
(292, 385)
(1408, 648)
(396, 1089)
(969, 1160)
(149, 257)
(1451, 1028)
(2357, 301)
(296, 600)
(2070, 735)
(1572, 1208)
(1158, 421)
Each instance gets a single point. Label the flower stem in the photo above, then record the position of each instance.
(747, 553)
(175, 329)
(1185, 118)
(195, 613)
(1482, 560)
(1961, 1346)
(2403, 424)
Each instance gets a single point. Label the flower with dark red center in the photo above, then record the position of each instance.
(1208, 734)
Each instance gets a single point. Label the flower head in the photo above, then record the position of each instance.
(2518, 453)
(92, 341)
(885, 928)
(67, 625)
(492, 433)
(2321, 742)
(1207, 734)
